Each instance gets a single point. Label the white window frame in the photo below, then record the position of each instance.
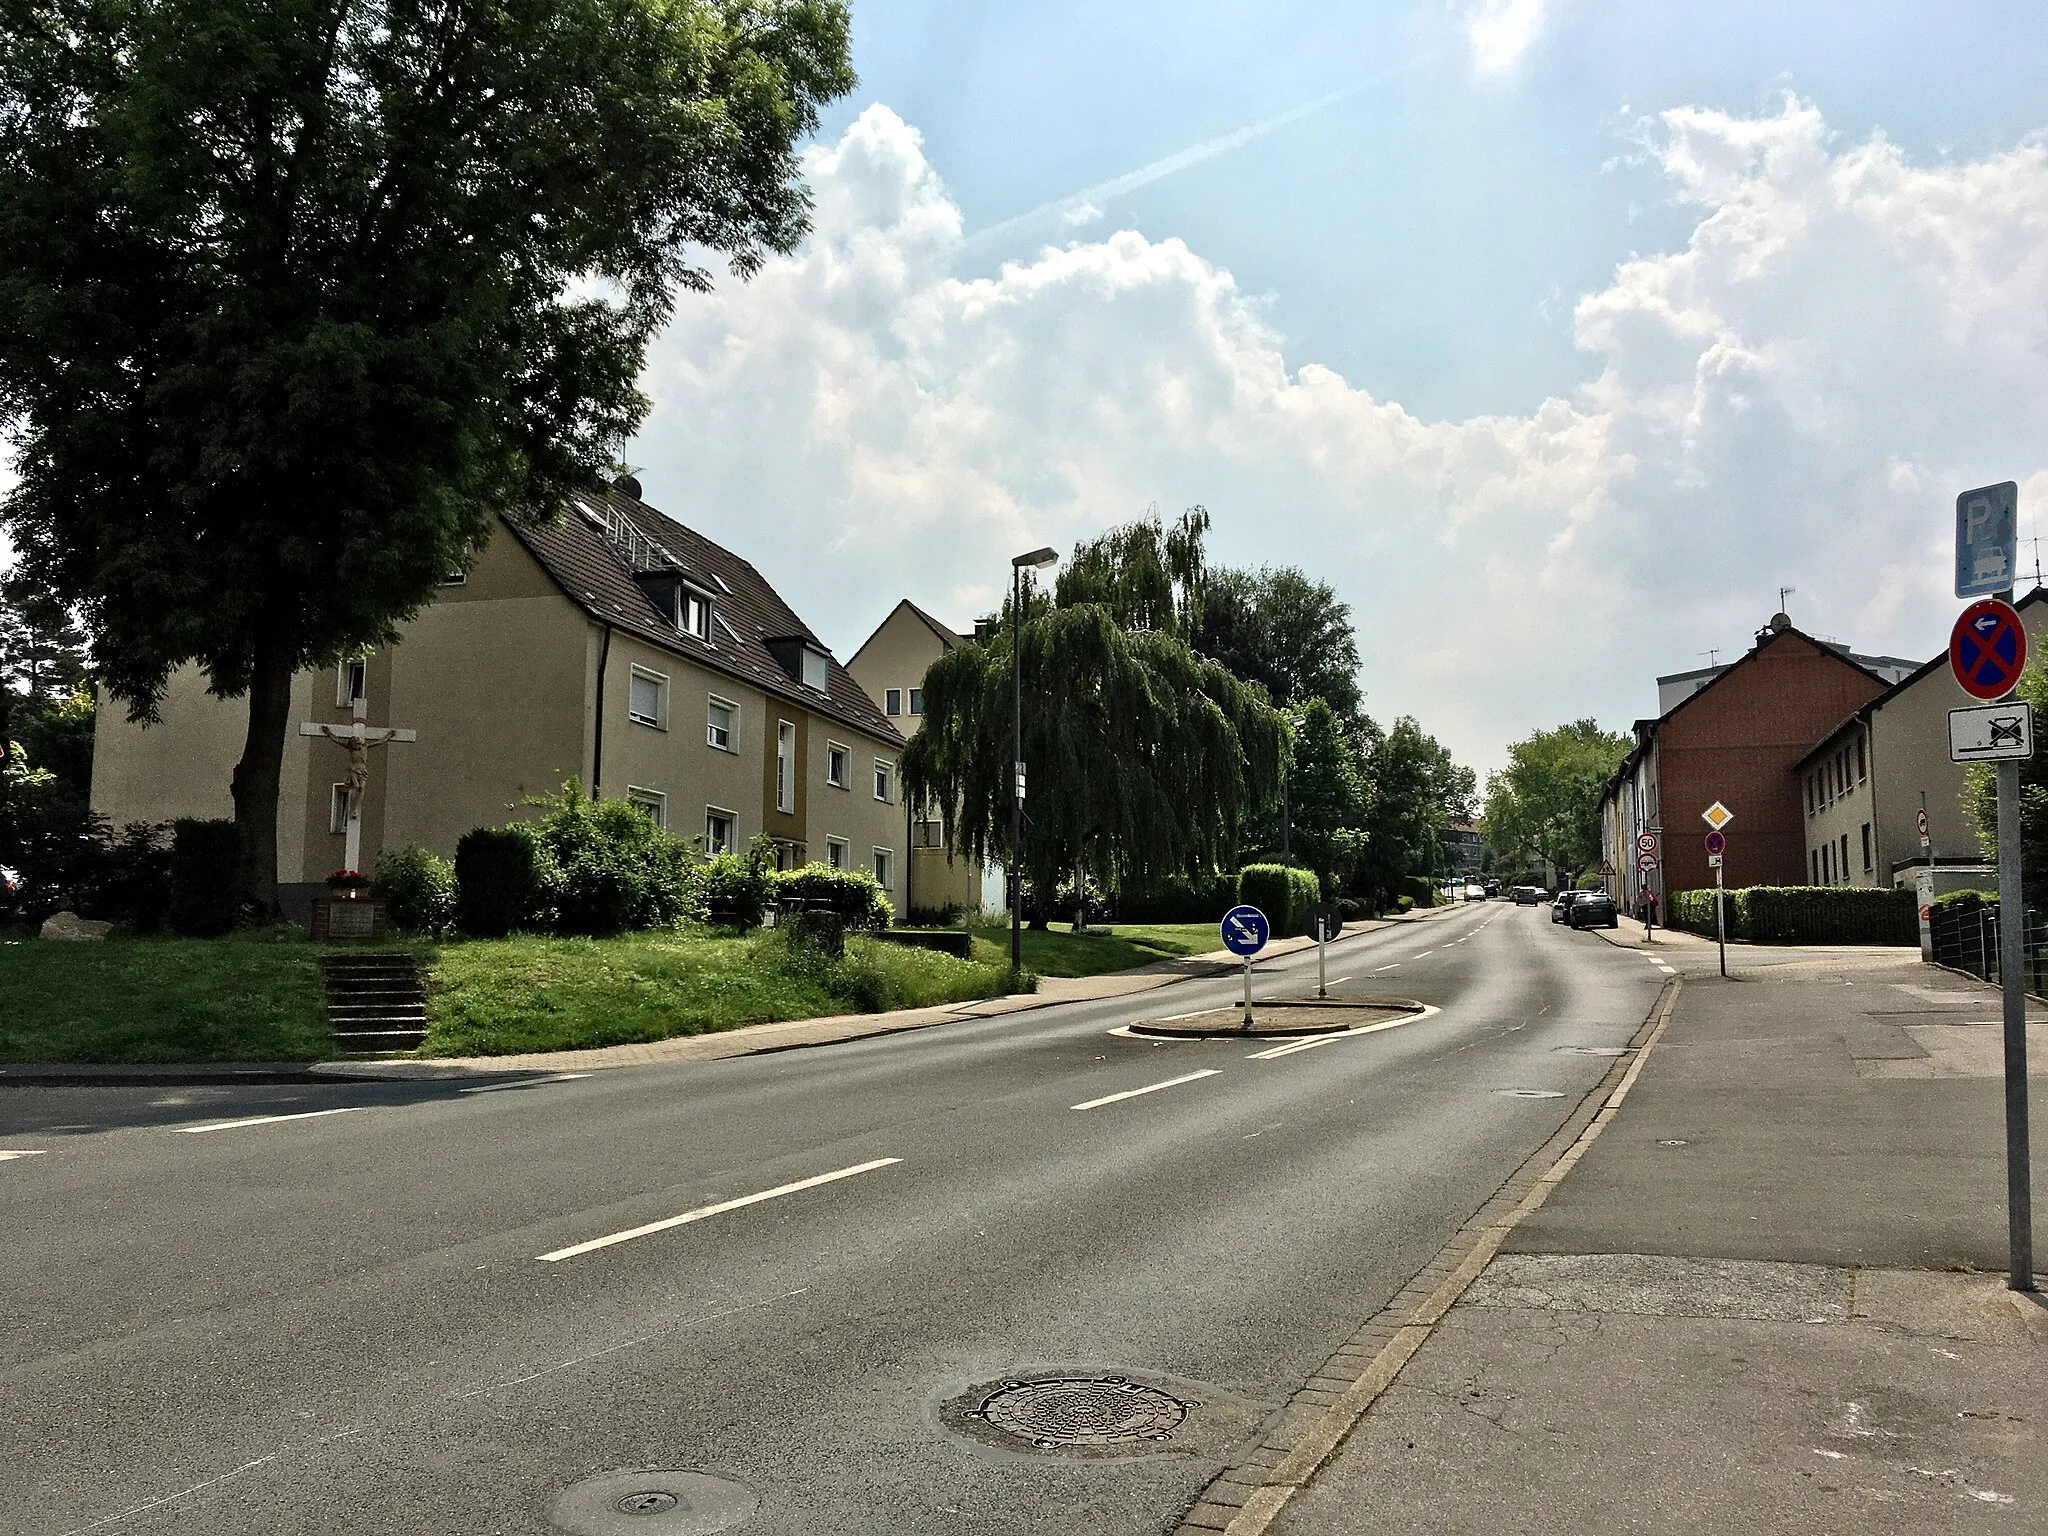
(344, 691)
(845, 754)
(711, 702)
(885, 868)
(885, 781)
(690, 598)
(930, 833)
(651, 801)
(785, 767)
(642, 674)
(732, 829)
(837, 854)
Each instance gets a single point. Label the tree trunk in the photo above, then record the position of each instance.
(258, 773)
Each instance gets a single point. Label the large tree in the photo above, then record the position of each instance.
(298, 294)
(1546, 803)
(1285, 631)
(1146, 762)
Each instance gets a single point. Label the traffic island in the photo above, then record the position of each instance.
(1280, 1018)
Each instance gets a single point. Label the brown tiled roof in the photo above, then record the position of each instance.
(585, 563)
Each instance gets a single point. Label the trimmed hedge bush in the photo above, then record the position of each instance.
(1194, 901)
(1286, 893)
(854, 894)
(504, 880)
(204, 901)
(1802, 914)
(417, 888)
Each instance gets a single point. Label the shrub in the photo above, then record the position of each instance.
(1202, 900)
(1964, 901)
(1286, 893)
(1404, 903)
(1421, 891)
(854, 894)
(615, 869)
(504, 879)
(205, 901)
(1803, 914)
(417, 888)
(738, 886)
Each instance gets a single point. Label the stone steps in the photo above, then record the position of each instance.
(376, 1003)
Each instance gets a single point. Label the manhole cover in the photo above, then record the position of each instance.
(1528, 1093)
(660, 1502)
(1083, 1411)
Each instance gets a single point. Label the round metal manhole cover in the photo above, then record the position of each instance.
(658, 1502)
(1083, 1411)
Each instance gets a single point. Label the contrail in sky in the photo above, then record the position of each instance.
(1159, 170)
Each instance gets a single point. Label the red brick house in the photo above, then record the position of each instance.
(1739, 740)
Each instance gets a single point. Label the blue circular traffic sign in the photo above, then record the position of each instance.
(1987, 649)
(1245, 931)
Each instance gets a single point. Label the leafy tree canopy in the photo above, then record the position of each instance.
(298, 294)
(1980, 799)
(1145, 575)
(1288, 633)
(1546, 803)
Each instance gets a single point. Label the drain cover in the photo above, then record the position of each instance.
(661, 1502)
(1082, 1411)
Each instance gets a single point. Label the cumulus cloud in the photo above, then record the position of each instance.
(1502, 32)
(1844, 342)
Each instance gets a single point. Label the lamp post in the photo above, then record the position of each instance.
(1037, 560)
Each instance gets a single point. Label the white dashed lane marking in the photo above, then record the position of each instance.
(723, 1206)
(1132, 1093)
(235, 1125)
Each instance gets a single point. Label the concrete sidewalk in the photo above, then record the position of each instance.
(1768, 1297)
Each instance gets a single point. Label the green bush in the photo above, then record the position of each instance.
(615, 869)
(205, 901)
(1802, 914)
(417, 888)
(739, 886)
(854, 894)
(1963, 901)
(1286, 893)
(1181, 901)
(1404, 903)
(1421, 891)
(504, 880)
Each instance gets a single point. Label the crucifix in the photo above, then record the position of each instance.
(358, 738)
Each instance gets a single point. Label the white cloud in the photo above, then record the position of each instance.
(1502, 32)
(1794, 397)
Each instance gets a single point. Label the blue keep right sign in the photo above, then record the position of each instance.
(1245, 931)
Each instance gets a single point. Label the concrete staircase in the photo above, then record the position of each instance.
(375, 1002)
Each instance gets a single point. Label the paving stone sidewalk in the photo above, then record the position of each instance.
(1770, 1297)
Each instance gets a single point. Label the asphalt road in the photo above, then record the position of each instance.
(346, 1322)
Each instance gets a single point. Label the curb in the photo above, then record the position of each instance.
(178, 1075)
(1248, 1498)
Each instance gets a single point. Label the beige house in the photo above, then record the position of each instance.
(615, 646)
(890, 667)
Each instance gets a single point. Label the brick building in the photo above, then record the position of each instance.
(1739, 740)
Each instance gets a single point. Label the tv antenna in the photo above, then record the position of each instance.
(1713, 655)
(1783, 593)
(2036, 542)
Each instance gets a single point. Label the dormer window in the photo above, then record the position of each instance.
(695, 613)
(816, 671)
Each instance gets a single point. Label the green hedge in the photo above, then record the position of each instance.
(1802, 914)
(854, 894)
(503, 880)
(1286, 893)
(205, 899)
(1197, 901)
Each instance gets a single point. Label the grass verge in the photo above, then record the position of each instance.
(252, 997)
(1059, 951)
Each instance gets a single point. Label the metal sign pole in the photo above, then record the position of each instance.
(1721, 914)
(1322, 957)
(1247, 991)
(2012, 930)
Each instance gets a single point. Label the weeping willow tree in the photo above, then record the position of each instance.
(1146, 762)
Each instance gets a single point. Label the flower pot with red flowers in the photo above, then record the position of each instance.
(348, 885)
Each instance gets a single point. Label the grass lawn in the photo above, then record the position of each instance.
(496, 997)
(257, 997)
(1059, 951)
(254, 997)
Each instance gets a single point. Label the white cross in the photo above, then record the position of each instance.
(358, 738)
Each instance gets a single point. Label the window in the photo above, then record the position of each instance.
(917, 701)
(1861, 771)
(1842, 869)
(696, 612)
(1866, 847)
(885, 869)
(892, 702)
(719, 719)
(883, 773)
(337, 810)
(1827, 862)
(717, 830)
(817, 671)
(647, 699)
(930, 834)
(785, 766)
(838, 765)
(353, 683)
(835, 853)
(651, 803)
(1814, 854)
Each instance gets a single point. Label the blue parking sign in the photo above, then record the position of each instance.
(1245, 931)
(1987, 539)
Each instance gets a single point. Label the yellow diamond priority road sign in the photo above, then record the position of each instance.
(1717, 815)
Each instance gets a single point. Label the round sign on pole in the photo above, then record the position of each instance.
(1921, 819)
(1646, 862)
(1717, 843)
(1245, 931)
(1987, 650)
(1326, 920)
(1647, 843)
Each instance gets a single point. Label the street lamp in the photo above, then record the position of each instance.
(1037, 560)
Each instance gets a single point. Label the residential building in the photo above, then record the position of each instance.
(1464, 848)
(1864, 783)
(1739, 740)
(890, 666)
(1679, 686)
(614, 646)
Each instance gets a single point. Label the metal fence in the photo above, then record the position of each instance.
(1968, 941)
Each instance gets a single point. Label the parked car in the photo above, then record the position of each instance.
(1491, 887)
(1593, 909)
(1563, 902)
(1526, 895)
(1475, 893)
